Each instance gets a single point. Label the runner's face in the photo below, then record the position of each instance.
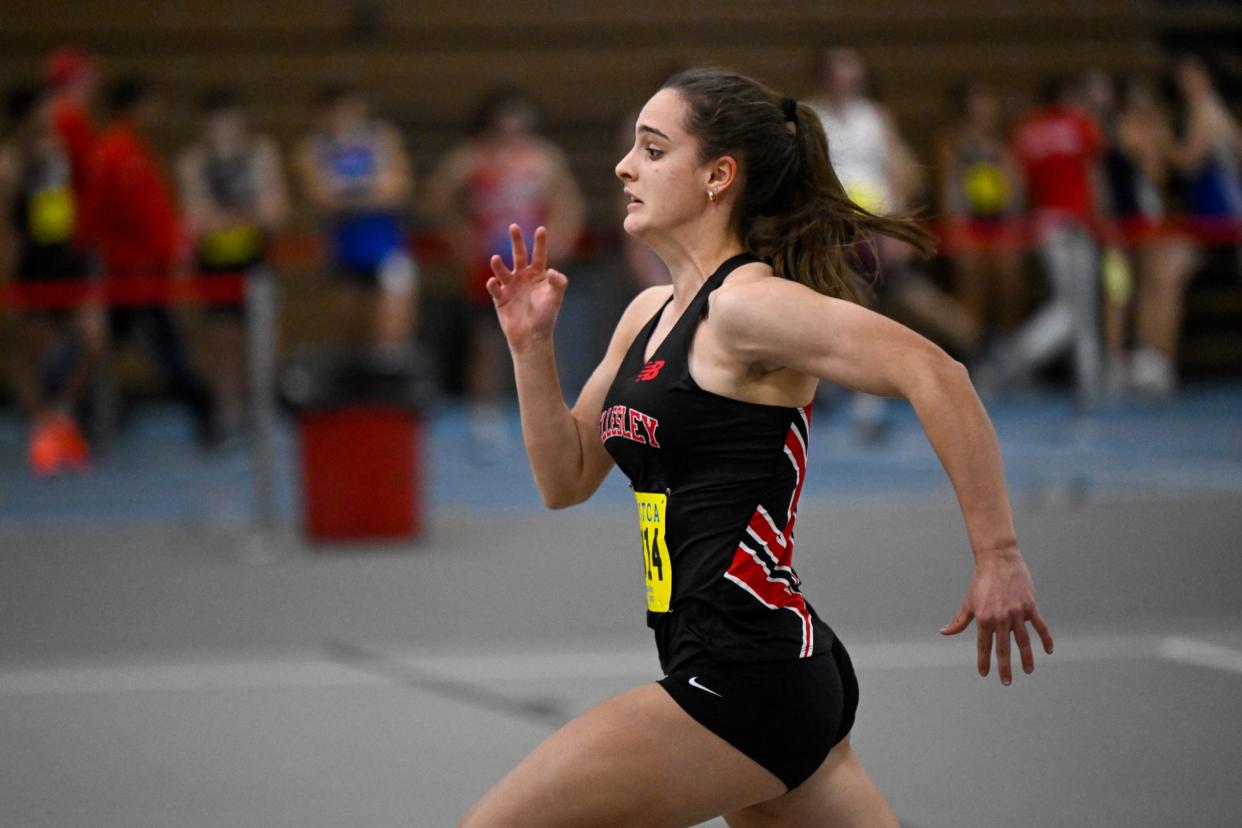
(665, 184)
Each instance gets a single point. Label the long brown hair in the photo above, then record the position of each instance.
(793, 212)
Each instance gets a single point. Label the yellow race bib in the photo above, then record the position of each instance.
(52, 215)
(658, 566)
(987, 189)
(232, 246)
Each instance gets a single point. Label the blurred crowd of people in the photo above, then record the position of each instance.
(1088, 180)
(1113, 186)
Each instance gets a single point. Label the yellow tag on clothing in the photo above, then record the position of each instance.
(657, 564)
(52, 215)
(232, 246)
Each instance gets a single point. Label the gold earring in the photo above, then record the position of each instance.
(711, 196)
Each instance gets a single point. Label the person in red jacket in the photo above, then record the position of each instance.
(1058, 146)
(135, 231)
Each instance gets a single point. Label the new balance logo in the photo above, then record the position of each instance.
(650, 371)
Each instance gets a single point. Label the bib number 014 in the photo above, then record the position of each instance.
(657, 565)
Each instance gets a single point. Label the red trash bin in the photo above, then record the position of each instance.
(360, 425)
(360, 472)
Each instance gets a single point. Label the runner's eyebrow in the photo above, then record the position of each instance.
(653, 130)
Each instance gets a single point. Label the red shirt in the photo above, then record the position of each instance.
(131, 214)
(1056, 147)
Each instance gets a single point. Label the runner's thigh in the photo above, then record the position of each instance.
(636, 759)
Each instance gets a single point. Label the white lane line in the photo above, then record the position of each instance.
(220, 672)
(597, 664)
(213, 675)
(1200, 654)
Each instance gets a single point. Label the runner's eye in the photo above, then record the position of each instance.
(654, 153)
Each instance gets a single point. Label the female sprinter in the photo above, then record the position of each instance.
(703, 399)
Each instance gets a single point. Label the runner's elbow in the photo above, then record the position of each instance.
(560, 497)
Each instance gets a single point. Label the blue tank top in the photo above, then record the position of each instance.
(1215, 190)
(717, 481)
(360, 239)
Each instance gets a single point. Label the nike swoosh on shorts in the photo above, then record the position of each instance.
(694, 682)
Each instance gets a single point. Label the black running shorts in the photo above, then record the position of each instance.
(785, 715)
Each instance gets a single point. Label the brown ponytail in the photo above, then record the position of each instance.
(793, 212)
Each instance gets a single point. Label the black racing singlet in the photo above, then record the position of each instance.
(717, 482)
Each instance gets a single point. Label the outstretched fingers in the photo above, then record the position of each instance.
(1040, 627)
(502, 273)
(1003, 667)
(519, 247)
(540, 259)
(1024, 647)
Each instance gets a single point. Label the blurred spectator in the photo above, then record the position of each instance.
(40, 211)
(1209, 157)
(1140, 252)
(1126, 205)
(880, 174)
(356, 174)
(980, 194)
(74, 79)
(1164, 259)
(503, 173)
(233, 196)
(1058, 147)
(134, 227)
(1211, 149)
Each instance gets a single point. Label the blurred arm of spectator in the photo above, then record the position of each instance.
(1150, 142)
(273, 202)
(201, 214)
(444, 203)
(392, 188)
(1096, 145)
(952, 209)
(907, 181)
(1017, 182)
(565, 207)
(317, 188)
(1206, 128)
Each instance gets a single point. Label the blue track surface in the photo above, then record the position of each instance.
(154, 474)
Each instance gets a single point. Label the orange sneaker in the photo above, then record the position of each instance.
(55, 443)
(44, 449)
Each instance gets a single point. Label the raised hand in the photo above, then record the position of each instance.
(1001, 600)
(529, 296)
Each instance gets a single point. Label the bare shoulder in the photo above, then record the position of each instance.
(754, 295)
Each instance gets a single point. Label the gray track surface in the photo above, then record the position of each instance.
(162, 676)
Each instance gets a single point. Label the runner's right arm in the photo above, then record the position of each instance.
(567, 459)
